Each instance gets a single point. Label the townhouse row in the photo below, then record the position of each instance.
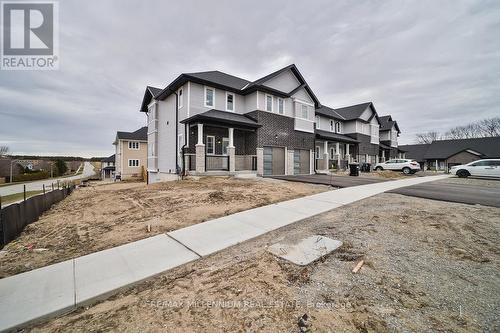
(213, 123)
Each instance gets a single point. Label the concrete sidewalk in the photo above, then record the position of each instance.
(62, 287)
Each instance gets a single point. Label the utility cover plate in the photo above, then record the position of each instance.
(307, 250)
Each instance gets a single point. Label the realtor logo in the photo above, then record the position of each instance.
(30, 36)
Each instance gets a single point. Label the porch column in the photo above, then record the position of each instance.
(437, 165)
(260, 161)
(290, 161)
(325, 156)
(200, 151)
(231, 151)
(337, 150)
(383, 155)
(347, 155)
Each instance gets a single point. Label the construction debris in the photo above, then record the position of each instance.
(358, 266)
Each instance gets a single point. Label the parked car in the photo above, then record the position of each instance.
(400, 164)
(480, 168)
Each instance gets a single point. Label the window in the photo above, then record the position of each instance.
(317, 152)
(133, 145)
(482, 163)
(281, 106)
(332, 128)
(317, 122)
(133, 163)
(179, 95)
(229, 102)
(209, 97)
(225, 144)
(269, 103)
(305, 113)
(210, 145)
(338, 127)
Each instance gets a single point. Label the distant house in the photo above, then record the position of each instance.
(131, 153)
(443, 154)
(108, 167)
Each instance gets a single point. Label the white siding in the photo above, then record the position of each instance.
(303, 95)
(350, 126)
(166, 135)
(286, 82)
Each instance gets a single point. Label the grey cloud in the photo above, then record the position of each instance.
(432, 65)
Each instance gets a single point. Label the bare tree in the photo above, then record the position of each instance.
(3, 150)
(428, 137)
(489, 127)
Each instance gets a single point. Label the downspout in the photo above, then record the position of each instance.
(183, 151)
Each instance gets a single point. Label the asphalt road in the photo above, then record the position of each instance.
(336, 181)
(88, 170)
(468, 194)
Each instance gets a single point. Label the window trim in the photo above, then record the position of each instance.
(283, 103)
(272, 102)
(205, 97)
(134, 159)
(332, 126)
(234, 101)
(302, 111)
(132, 148)
(213, 145)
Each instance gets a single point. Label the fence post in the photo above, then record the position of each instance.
(57, 184)
(24, 186)
(43, 189)
(52, 184)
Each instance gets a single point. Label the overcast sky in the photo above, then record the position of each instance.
(431, 65)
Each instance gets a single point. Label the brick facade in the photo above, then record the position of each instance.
(278, 130)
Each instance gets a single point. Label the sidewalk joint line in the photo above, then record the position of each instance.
(187, 247)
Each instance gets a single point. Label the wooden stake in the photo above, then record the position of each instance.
(358, 266)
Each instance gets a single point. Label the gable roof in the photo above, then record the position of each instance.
(221, 80)
(416, 152)
(140, 135)
(354, 112)
(109, 159)
(149, 94)
(329, 112)
(386, 123)
(442, 149)
(224, 117)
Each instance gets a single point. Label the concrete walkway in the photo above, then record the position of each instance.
(62, 287)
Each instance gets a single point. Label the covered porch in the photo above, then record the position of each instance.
(220, 143)
(333, 151)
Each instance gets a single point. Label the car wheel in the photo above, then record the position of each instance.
(379, 168)
(463, 173)
(406, 171)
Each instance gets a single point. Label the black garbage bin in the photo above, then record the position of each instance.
(365, 167)
(354, 169)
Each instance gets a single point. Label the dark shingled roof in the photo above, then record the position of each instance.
(328, 112)
(229, 118)
(334, 136)
(386, 123)
(140, 135)
(109, 159)
(221, 78)
(442, 149)
(154, 91)
(416, 152)
(354, 111)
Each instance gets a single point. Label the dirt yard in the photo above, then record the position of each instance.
(99, 217)
(429, 266)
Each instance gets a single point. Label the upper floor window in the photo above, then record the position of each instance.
(133, 145)
(338, 127)
(181, 98)
(281, 106)
(133, 163)
(317, 122)
(209, 97)
(269, 103)
(305, 112)
(332, 126)
(229, 101)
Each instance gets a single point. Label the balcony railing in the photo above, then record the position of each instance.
(245, 162)
(216, 163)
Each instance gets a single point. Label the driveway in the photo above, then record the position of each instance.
(469, 191)
(88, 170)
(333, 180)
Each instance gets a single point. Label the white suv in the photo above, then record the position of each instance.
(480, 168)
(405, 165)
